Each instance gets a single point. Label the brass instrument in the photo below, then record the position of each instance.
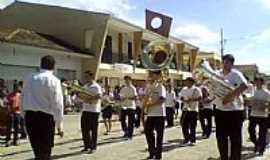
(83, 93)
(216, 84)
(156, 56)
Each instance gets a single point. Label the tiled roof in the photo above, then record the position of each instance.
(26, 37)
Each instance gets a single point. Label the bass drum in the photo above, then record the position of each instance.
(3, 120)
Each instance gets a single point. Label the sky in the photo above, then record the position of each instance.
(245, 23)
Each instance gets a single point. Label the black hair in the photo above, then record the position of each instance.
(89, 73)
(20, 83)
(261, 79)
(47, 62)
(228, 57)
(191, 79)
(157, 72)
(127, 77)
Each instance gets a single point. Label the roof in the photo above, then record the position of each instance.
(67, 24)
(64, 25)
(31, 38)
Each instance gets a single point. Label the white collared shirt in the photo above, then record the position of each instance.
(170, 99)
(191, 93)
(43, 92)
(156, 91)
(128, 92)
(260, 110)
(235, 78)
(94, 106)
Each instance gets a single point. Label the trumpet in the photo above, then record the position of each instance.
(83, 93)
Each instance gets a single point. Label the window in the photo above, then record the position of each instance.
(107, 52)
(129, 50)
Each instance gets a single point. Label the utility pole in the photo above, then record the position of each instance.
(221, 42)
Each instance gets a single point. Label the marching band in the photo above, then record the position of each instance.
(42, 101)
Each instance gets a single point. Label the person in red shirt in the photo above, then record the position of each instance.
(14, 115)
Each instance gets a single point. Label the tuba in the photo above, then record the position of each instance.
(157, 55)
(205, 75)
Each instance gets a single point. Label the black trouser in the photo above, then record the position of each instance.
(229, 128)
(189, 125)
(138, 113)
(154, 143)
(13, 122)
(22, 127)
(259, 143)
(169, 116)
(206, 121)
(40, 127)
(89, 126)
(128, 127)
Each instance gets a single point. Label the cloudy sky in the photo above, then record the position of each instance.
(245, 23)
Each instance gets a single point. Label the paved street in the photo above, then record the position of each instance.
(113, 147)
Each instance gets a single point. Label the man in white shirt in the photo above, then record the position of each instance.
(128, 95)
(170, 103)
(229, 112)
(206, 112)
(90, 113)
(156, 115)
(42, 102)
(190, 96)
(259, 115)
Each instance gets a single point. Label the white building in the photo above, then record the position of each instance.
(80, 41)
(21, 51)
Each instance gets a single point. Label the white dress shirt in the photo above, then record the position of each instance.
(156, 91)
(43, 92)
(257, 109)
(170, 99)
(191, 93)
(95, 105)
(126, 93)
(235, 78)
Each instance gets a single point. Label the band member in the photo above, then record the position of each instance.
(206, 112)
(107, 111)
(128, 95)
(90, 113)
(170, 104)
(156, 115)
(259, 116)
(229, 112)
(138, 107)
(42, 103)
(190, 96)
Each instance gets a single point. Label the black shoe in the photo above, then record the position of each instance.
(150, 157)
(91, 151)
(84, 150)
(61, 134)
(7, 144)
(260, 153)
(125, 135)
(15, 143)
